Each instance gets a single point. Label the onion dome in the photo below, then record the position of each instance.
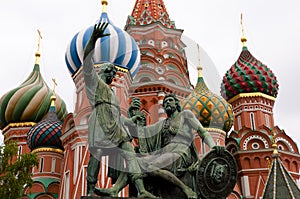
(210, 109)
(248, 75)
(47, 132)
(30, 101)
(118, 48)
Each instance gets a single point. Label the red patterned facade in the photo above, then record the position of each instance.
(163, 70)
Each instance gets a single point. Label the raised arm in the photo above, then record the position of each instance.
(90, 76)
(194, 123)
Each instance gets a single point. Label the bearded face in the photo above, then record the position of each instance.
(108, 74)
(169, 105)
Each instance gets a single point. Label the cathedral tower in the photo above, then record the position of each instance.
(251, 88)
(163, 59)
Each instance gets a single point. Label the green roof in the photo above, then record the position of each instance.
(280, 184)
(45, 182)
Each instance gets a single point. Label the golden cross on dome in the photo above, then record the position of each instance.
(39, 39)
(53, 97)
(38, 53)
(243, 39)
(199, 67)
(55, 84)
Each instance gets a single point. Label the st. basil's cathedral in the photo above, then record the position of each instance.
(151, 60)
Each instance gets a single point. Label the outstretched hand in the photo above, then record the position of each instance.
(98, 31)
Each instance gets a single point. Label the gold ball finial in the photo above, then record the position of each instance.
(275, 152)
(53, 97)
(243, 40)
(104, 4)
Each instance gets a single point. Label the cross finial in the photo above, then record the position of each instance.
(54, 85)
(243, 39)
(199, 67)
(53, 97)
(39, 39)
(38, 53)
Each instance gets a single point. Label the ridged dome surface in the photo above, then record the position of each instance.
(46, 133)
(210, 109)
(29, 102)
(118, 48)
(248, 75)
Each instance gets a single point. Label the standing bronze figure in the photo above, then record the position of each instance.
(106, 129)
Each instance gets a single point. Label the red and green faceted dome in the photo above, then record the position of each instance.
(248, 75)
(211, 110)
(29, 102)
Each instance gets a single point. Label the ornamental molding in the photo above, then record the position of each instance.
(48, 149)
(286, 142)
(254, 137)
(255, 94)
(17, 125)
(216, 130)
(125, 70)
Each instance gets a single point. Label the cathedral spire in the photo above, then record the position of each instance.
(150, 11)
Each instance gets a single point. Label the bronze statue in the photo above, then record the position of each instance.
(167, 147)
(106, 129)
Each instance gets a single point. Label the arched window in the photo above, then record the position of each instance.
(257, 162)
(239, 122)
(252, 121)
(267, 120)
(246, 163)
(19, 150)
(53, 164)
(41, 165)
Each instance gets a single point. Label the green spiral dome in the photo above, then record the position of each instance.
(29, 102)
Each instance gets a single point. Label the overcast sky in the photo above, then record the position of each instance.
(271, 27)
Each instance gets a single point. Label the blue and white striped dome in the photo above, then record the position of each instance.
(118, 48)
